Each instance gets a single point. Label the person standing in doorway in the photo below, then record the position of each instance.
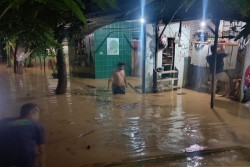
(118, 79)
(22, 141)
(220, 75)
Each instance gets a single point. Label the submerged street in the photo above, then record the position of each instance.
(88, 126)
(105, 83)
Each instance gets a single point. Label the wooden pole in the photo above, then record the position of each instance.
(15, 58)
(40, 63)
(8, 55)
(143, 52)
(155, 59)
(35, 60)
(44, 65)
(217, 24)
(156, 45)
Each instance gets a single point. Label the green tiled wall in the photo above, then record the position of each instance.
(104, 64)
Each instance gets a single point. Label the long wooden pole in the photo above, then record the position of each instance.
(44, 65)
(217, 24)
(40, 63)
(155, 59)
(15, 57)
(143, 51)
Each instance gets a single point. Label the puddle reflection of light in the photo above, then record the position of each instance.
(134, 118)
(135, 139)
(21, 83)
(195, 147)
(194, 161)
(100, 116)
(132, 135)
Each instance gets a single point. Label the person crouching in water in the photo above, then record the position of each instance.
(118, 79)
(22, 141)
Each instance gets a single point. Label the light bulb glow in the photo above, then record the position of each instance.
(203, 24)
(142, 20)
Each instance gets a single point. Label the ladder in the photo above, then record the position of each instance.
(167, 80)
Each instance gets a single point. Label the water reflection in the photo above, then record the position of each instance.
(134, 138)
(173, 127)
(129, 126)
(194, 161)
(156, 128)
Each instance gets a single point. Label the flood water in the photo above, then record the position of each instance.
(88, 126)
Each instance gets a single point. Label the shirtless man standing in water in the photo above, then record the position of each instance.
(118, 79)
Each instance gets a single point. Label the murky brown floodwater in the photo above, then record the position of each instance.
(88, 126)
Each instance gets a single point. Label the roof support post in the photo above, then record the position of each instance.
(156, 28)
(143, 52)
(213, 89)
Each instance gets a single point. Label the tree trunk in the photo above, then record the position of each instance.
(40, 63)
(15, 61)
(8, 58)
(62, 73)
(2, 51)
(44, 65)
(30, 60)
(35, 60)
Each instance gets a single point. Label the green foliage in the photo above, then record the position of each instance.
(52, 53)
(54, 69)
(104, 4)
(76, 8)
(33, 23)
(43, 24)
(245, 31)
(242, 6)
(189, 4)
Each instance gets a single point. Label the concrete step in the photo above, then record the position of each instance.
(167, 79)
(167, 64)
(168, 72)
(168, 87)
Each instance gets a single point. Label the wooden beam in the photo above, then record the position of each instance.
(211, 26)
(163, 31)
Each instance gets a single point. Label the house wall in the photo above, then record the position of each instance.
(149, 57)
(181, 49)
(124, 32)
(245, 89)
(81, 56)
